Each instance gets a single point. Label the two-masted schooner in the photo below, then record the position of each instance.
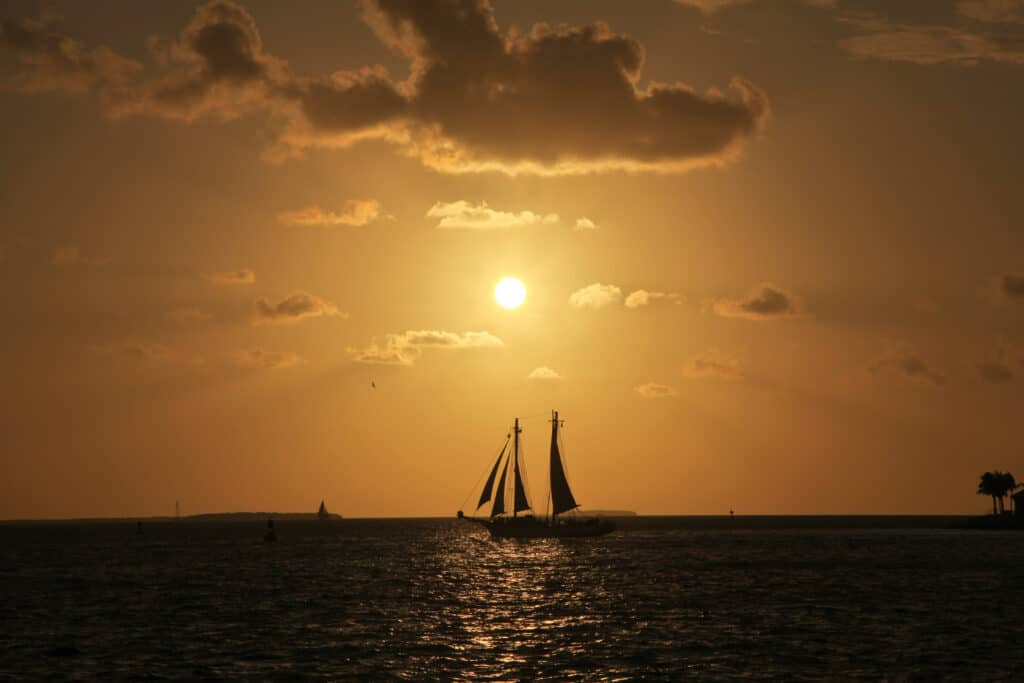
(511, 488)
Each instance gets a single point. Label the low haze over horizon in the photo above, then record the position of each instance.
(760, 254)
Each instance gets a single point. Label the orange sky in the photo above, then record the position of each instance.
(773, 253)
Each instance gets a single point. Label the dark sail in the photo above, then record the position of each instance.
(562, 499)
(485, 495)
(521, 502)
(499, 494)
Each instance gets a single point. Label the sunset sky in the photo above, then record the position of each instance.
(773, 253)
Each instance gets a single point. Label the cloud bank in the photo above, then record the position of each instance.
(549, 100)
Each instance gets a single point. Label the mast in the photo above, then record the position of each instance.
(515, 469)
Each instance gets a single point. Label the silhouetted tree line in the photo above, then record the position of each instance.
(998, 485)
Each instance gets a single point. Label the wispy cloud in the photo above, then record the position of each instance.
(766, 302)
(355, 212)
(188, 314)
(150, 353)
(712, 6)
(654, 390)
(584, 223)
(909, 365)
(404, 348)
(462, 215)
(245, 276)
(71, 255)
(543, 374)
(259, 359)
(713, 363)
(595, 296)
(293, 308)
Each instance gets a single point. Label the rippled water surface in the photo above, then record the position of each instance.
(433, 599)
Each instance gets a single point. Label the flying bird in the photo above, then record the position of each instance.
(373, 385)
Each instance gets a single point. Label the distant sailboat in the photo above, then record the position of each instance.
(322, 512)
(503, 525)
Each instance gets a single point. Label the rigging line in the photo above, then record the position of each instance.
(470, 494)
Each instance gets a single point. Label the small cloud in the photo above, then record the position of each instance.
(642, 297)
(655, 390)
(910, 366)
(355, 212)
(595, 296)
(71, 255)
(245, 276)
(585, 223)
(465, 216)
(713, 363)
(258, 359)
(406, 347)
(543, 374)
(188, 315)
(766, 302)
(293, 308)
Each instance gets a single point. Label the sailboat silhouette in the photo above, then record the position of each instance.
(502, 524)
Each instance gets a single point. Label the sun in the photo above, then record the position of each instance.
(510, 293)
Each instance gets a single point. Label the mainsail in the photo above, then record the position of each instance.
(499, 494)
(562, 499)
(522, 503)
(485, 495)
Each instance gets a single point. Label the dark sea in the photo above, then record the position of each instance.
(663, 598)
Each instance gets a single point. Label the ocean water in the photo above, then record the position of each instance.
(662, 599)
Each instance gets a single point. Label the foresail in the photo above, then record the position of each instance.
(562, 499)
(485, 495)
(499, 494)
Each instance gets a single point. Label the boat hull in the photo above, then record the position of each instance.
(529, 527)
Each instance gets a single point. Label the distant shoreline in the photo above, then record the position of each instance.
(626, 520)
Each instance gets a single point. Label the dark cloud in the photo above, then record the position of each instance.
(1012, 285)
(994, 371)
(910, 366)
(294, 308)
(552, 100)
(764, 303)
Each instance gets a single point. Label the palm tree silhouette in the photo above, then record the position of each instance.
(989, 486)
(1008, 484)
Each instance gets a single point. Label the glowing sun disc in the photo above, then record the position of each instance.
(510, 293)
